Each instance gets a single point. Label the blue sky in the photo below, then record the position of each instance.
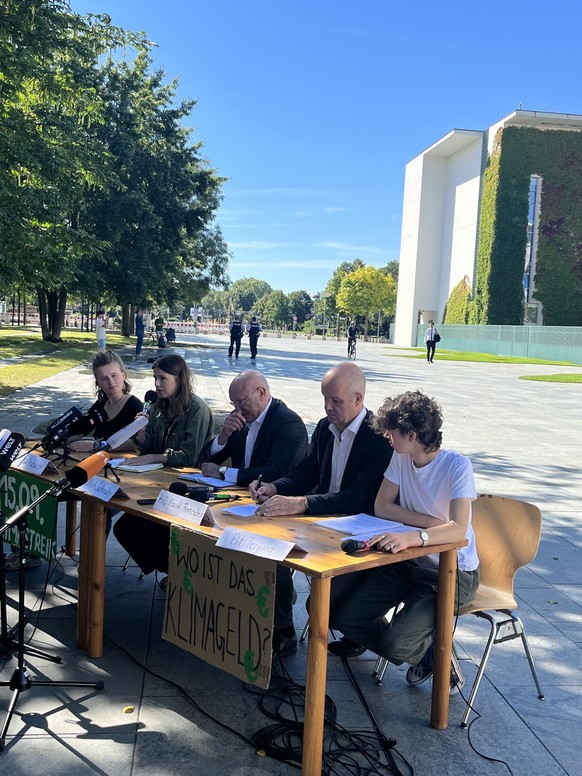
(312, 109)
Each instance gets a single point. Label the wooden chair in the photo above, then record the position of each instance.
(507, 533)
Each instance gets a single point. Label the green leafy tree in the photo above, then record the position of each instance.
(155, 228)
(273, 309)
(392, 268)
(215, 303)
(300, 304)
(246, 292)
(48, 104)
(365, 292)
(333, 285)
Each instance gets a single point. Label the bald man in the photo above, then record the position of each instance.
(340, 474)
(261, 436)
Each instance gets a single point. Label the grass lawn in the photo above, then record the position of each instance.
(485, 358)
(43, 359)
(565, 378)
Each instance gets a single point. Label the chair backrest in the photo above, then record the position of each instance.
(507, 533)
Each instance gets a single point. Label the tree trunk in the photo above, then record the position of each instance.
(126, 320)
(366, 324)
(51, 310)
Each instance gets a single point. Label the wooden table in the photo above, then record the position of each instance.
(324, 560)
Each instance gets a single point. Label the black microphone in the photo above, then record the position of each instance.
(10, 446)
(149, 400)
(59, 428)
(85, 425)
(196, 493)
(356, 545)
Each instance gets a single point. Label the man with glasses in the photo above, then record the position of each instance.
(261, 436)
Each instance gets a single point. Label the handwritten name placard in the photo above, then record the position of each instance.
(180, 506)
(33, 464)
(100, 488)
(255, 544)
(220, 605)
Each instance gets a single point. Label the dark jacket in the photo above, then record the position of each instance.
(280, 444)
(366, 464)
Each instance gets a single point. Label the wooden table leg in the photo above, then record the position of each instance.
(71, 529)
(90, 613)
(444, 640)
(316, 677)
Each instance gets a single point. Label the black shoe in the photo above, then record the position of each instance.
(345, 647)
(284, 645)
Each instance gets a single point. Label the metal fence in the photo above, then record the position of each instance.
(554, 343)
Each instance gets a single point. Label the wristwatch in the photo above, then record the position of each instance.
(222, 471)
(423, 536)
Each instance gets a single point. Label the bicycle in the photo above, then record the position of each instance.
(352, 349)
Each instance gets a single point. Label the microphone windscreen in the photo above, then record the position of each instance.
(126, 433)
(179, 488)
(61, 424)
(10, 447)
(82, 426)
(353, 545)
(151, 397)
(88, 468)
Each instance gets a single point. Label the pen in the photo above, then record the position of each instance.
(259, 481)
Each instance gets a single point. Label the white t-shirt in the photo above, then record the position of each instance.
(100, 329)
(431, 488)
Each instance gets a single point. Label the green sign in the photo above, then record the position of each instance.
(18, 490)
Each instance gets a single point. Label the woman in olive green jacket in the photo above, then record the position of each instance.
(179, 426)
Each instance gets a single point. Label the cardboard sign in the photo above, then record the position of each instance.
(34, 464)
(102, 488)
(17, 491)
(220, 605)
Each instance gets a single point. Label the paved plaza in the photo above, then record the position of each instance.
(524, 440)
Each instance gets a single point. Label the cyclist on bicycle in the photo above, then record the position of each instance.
(353, 332)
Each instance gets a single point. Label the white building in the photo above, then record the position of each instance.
(440, 219)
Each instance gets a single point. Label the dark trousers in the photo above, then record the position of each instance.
(358, 608)
(253, 346)
(234, 344)
(147, 542)
(138, 344)
(430, 348)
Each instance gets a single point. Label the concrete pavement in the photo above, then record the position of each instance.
(523, 438)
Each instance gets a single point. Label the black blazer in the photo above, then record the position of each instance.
(365, 467)
(280, 444)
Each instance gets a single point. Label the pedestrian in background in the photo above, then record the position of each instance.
(139, 332)
(254, 329)
(430, 339)
(101, 329)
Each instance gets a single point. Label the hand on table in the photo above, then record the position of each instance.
(281, 505)
(210, 470)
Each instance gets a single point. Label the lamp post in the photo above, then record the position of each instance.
(325, 296)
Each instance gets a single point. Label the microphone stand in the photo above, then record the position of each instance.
(20, 681)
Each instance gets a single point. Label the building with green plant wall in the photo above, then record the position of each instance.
(492, 227)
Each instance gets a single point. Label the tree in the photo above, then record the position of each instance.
(155, 228)
(457, 306)
(273, 309)
(391, 268)
(246, 292)
(300, 304)
(215, 303)
(333, 285)
(48, 103)
(366, 292)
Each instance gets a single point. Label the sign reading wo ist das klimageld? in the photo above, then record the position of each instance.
(220, 605)
(18, 490)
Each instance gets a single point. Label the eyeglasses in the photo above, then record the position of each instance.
(244, 401)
